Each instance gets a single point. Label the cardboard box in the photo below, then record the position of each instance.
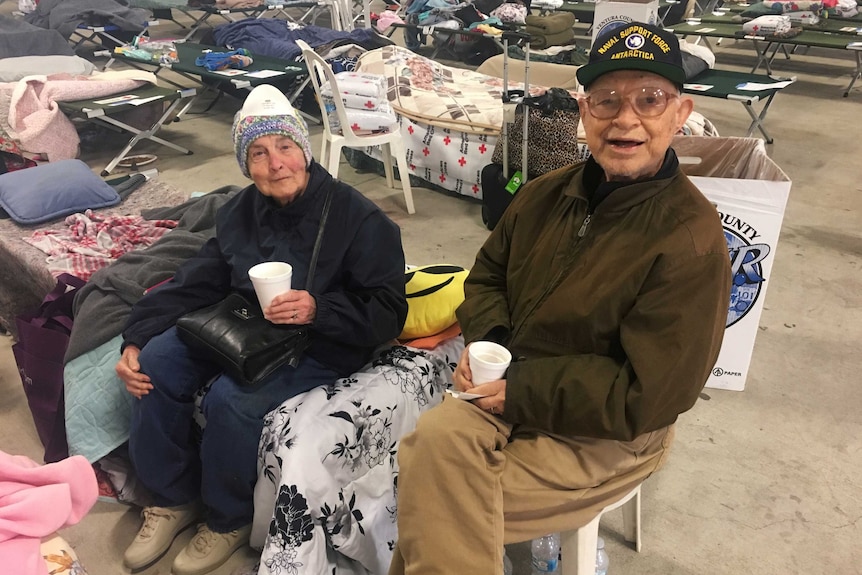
(750, 192)
(610, 14)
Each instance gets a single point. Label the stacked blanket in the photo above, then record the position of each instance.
(552, 30)
(35, 120)
(19, 38)
(364, 99)
(768, 25)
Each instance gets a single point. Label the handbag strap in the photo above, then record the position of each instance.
(316, 252)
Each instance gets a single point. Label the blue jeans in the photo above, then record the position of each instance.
(222, 468)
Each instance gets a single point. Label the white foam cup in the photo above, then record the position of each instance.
(488, 361)
(269, 280)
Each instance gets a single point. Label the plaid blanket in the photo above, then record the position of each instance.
(93, 240)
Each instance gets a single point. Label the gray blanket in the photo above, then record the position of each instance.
(65, 15)
(103, 304)
(19, 38)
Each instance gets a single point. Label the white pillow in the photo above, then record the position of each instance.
(13, 69)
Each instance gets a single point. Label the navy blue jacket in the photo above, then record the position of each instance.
(358, 285)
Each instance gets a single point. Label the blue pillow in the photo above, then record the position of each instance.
(50, 191)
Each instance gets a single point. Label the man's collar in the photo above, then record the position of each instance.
(598, 189)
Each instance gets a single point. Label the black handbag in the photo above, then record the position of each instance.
(235, 335)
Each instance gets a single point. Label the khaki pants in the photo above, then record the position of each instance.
(469, 483)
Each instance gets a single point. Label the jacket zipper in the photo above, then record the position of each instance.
(583, 231)
(558, 278)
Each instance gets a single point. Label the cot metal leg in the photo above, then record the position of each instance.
(757, 120)
(148, 134)
(196, 25)
(775, 53)
(761, 56)
(857, 74)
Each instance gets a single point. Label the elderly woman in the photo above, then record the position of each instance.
(356, 303)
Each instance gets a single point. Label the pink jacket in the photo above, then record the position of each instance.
(37, 500)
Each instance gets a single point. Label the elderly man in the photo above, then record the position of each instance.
(609, 283)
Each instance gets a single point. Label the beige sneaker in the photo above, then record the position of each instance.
(208, 550)
(161, 526)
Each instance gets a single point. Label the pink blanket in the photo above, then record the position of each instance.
(36, 119)
(37, 500)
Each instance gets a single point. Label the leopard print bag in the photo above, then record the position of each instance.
(552, 133)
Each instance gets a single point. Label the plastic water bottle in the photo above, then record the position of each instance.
(602, 559)
(545, 554)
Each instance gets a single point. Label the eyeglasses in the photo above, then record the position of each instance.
(646, 102)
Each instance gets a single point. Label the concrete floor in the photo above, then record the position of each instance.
(763, 481)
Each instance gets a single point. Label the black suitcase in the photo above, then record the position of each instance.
(498, 185)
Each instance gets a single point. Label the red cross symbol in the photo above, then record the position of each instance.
(482, 149)
(410, 129)
(447, 140)
(475, 188)
(426, 151)
(462, 161)
(369, 104)
(442, 177)
(413, 167)
(355, 127)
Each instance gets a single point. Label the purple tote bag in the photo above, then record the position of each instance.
(43, 336)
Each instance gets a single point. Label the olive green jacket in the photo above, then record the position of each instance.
(615, 320)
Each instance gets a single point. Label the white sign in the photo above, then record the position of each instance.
(751, 212)
(610, 14)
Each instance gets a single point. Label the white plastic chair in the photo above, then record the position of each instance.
(389, 142)
(579, 546)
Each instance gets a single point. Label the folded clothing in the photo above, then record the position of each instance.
(511, 12)
(540, 41)
(356, 101)
(551, 24)
(780, 7)
(803, 17)
(547, 4)
(844, 9)
(362, 84)
(769, 25)
(214, 61)
(361, 121)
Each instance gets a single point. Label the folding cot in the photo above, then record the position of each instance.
(445, 45)
(585, 10)
(763, 44)
(106, 35)
(288, 76)
(725, 84)
(104, 111)
(833, 25)
(270, 9)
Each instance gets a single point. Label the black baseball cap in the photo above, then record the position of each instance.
(634, 46)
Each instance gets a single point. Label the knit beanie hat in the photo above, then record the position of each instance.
(266, 112)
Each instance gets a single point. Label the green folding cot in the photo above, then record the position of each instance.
(728, 85)
(763, 44)
(107, 111)
(289, 76)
